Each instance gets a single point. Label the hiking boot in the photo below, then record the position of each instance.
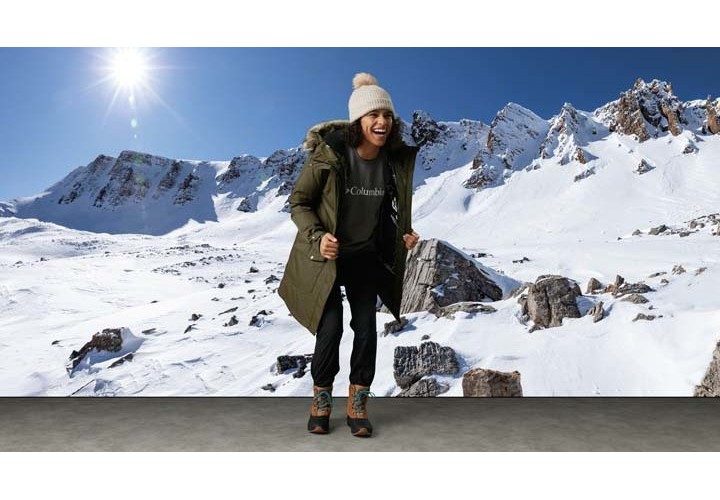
(319, 422)
(357, 416)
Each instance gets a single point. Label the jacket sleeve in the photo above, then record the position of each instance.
(303, 200)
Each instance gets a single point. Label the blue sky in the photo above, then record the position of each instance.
(213, 103)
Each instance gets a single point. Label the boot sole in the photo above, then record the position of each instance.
(315, 427)
(362, 432)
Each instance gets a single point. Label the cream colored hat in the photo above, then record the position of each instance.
(367, 96)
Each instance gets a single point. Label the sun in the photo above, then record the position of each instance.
(129, 69)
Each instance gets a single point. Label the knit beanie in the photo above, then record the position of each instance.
(367, 96)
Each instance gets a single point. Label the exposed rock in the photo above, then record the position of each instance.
(437, 275)
(272, 278)
(700, 270)
(285, 363)
(710, 385)
(520, 261)
(637, 232)
(657, 230)
(648, 317)
(244, 206)
(678, 269)
(169, 180)
(635, 298)
(584, 174)
(579, 156)
(713, 120)
(268, 387)
(410, 364)
(664, 281)
(659, 273)
(424, 129)
(629, 118)
(644, 111)
(480, 382)
(259, 319)
(232, 309)
(128, 357)
(643, 167)
(468, 307)
(672, 117)
(233, 321)
(592, 286)
(189, 328)
(187, 190)
(195, 317)
(394, 326)
(632, 288)
(109, 340)
(519, 289)
(597, 312)
(550, 299)
(424, 388)
(253, 269)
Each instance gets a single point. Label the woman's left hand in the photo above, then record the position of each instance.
(411, 240)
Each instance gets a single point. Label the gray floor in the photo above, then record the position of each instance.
(401, 424)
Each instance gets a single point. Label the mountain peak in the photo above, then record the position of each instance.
(646, 110)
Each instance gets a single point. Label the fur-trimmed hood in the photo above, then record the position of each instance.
(317, 133)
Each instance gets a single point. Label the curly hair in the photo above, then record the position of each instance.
(355, 135)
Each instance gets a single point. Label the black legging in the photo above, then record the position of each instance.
(358, 275)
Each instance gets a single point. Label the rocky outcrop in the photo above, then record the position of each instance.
(644, 111)
(593, 286)
(107, 344)
(643, 167)
(596, 312)
(710, 385)
(550, 299)
(584, 174)
(424, 388)
(239, 165)
(467, 307)
(513, 141)
(712, 123)
(411, 363)
(187, 190)
(569, 130)
(285, 363)
(438, 275)
(424, 129)
(480, 382)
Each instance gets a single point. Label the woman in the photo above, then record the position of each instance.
(351, 204)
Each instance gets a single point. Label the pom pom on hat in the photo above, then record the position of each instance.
(367, 96)
(361, 79)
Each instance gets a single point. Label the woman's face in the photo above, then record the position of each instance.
(376, 126)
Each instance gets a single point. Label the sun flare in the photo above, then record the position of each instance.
(129, 69)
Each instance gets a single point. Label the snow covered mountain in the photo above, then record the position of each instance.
(181, 259)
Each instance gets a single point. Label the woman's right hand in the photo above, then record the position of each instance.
(329, 246)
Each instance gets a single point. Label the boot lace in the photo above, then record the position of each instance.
(359, 401)
(323, 400)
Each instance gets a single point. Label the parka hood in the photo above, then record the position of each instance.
(319, 132)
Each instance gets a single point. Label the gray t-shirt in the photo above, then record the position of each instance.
(364, 191)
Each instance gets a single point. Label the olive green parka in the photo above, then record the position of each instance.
(315, 203)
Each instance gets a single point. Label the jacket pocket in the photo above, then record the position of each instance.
(314, 252)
